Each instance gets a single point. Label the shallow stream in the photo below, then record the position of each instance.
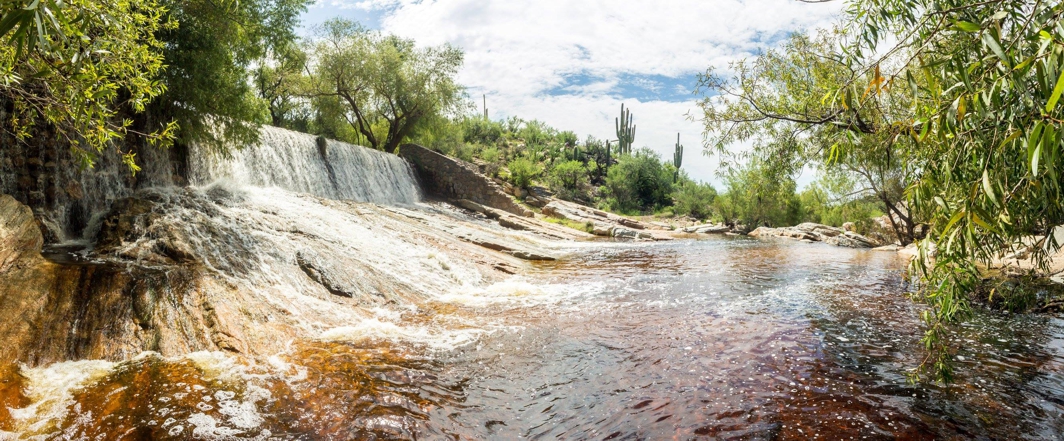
(723, 338)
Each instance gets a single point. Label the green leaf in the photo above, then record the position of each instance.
(9, 21)
(992, 42)
(1014, 135)
(1046, 39)
(956, 217)
(1033, 139)
(979, 221)
(967, 26)
(1036, 156)
(1052, 103)
(1048, 140)
(988, 188)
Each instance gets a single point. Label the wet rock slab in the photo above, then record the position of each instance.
(603, 223)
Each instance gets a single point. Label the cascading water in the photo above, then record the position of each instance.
(42, 173)
(302, 163)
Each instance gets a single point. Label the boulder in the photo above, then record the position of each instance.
(528, 255)
(322, 272)
(813, 232)
(819, 229)
(851, 240)
(512, 223)
(20, 236)
(694, 228)
(601, 229)
(909, 252)
(713, 229)
(537, 201)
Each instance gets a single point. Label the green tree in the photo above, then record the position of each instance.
(835, 198)
(806, 104)
(82, 68)
(208, 56)
(758, 195)
(693, 199)
(386, 84)
(278, 81)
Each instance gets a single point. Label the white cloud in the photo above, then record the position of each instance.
(516, 51)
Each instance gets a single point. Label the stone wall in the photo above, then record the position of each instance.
(42, 173)
(454, 179)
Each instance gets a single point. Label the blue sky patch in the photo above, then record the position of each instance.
(637, 86)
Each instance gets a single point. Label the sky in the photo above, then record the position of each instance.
(572, 63)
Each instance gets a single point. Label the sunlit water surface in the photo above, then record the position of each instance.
(725, 338)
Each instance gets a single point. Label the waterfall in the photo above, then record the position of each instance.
(296, 162)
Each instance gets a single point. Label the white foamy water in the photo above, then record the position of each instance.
(294, 161)
(435, 338)
(50, 391)
(519, 291)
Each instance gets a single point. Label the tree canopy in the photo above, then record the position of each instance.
(383, 86)
(807, 104)
(208, 57)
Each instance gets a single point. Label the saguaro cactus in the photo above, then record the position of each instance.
(625, 131)
(677, 158)
(608, 148)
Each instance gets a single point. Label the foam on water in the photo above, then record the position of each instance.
(51, 389)
(434, 338)
(519, 291)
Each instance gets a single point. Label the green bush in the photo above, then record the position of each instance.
(568, 179)
(490, 154)
(478, 130)
(523, 172)
(758, 196)
(694, 199)
(492, 160)
(639, 183)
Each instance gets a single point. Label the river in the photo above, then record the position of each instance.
(721, 338)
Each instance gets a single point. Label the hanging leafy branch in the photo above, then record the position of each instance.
(986, 79)
(80, 67)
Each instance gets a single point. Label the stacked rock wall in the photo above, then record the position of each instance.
(454, 179)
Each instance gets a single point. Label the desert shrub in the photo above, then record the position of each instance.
(481, 131)
(491, 157)
(694, 199)
(568, 179)
(523, 172)
(639, 183)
